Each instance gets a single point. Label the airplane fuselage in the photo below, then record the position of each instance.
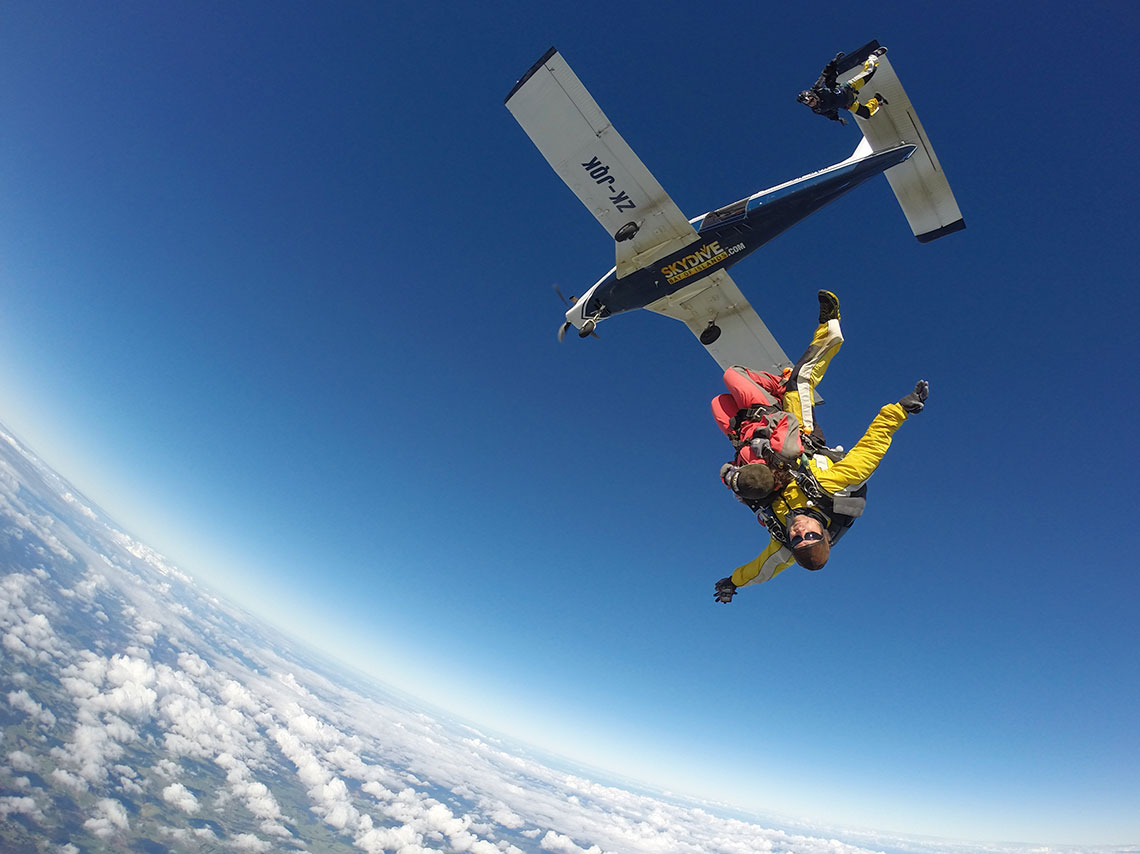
(729, 234)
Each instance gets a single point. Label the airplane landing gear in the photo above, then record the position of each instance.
(710, 333)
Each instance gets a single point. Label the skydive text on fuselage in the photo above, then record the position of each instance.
(601, 175)
(695, 262)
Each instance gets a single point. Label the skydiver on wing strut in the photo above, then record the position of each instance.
(808, 500)
(827, 97)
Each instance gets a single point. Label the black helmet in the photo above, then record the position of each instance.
(753, 481)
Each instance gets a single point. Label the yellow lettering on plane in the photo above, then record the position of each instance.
(694, 263)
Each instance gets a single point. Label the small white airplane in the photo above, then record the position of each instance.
(678, 267)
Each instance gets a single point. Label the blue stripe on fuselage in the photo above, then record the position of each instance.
(728, 239)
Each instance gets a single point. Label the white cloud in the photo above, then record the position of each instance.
(79, 505)
(193, 664)
(22, 701)
(18, 760)
(110, 820)
(90, 750)
(83, 678)
(181, 797)
(560, 844)
(375, 840)
(23, 805)
(249, 842)
(505, 817)
(33, 637)
(237, 697)
(68, 780)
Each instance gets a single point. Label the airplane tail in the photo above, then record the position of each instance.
(919, 183)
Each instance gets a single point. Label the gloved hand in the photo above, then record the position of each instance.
(725, 471)
(914, 402)
(725, 590)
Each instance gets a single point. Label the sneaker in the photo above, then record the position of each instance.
(828, 306)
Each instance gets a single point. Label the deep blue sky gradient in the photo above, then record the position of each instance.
(276, 292)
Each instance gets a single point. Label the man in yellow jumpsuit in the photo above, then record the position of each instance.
(813, 510)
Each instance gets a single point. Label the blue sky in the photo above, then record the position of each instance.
(276, 293)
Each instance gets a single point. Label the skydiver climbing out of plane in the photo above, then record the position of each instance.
(807, 499)
(827, 97)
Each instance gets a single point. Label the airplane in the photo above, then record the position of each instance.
(678, 267)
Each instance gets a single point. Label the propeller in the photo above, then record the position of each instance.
(587, 330)
(569, 303)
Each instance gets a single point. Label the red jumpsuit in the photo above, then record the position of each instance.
(747, 388)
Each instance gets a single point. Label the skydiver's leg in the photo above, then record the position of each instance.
(809, 370)
(865, 111)
(724, 407)
(859, 80)
(750, 388)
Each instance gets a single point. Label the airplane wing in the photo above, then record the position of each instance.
(919, 184)
(578, 141)
(744, 339)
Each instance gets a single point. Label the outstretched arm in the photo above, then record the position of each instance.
(862, 460)
(766, 565)
(830, 73)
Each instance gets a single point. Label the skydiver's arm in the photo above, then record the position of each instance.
(862, 460)
(768, 564)
(830, 73)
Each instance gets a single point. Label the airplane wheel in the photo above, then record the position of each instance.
(627, 232)
(710, 334)
(587, 329)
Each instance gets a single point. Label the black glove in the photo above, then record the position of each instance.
(725, 590)
(914, 401)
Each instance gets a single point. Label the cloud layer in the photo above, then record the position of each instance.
(141, 707)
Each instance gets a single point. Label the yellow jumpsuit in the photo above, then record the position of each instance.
(859, 464)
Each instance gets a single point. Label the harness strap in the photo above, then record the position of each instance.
(839, 510)
(757, 413)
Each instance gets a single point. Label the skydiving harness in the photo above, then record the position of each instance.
(767, 416)
(838, 511)
(758, 413)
